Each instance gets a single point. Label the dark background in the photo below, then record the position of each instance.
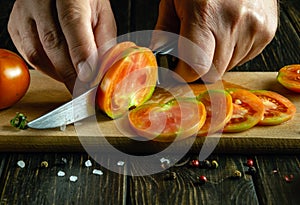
(135, 15)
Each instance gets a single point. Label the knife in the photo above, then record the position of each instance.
(64, 115)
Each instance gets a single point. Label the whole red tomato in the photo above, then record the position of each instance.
(14, 78)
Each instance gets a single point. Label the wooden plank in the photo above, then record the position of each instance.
(46, 94)
(270, 183)
(220, 188)
(37, 185)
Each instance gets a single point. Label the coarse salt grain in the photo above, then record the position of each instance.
(165, 160)
(73, 178)
(61, 174)
(63, 127)
(88, 163)
(97, 172)
(120, 163)
(21, 164)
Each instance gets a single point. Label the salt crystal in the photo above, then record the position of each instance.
(120, 163)
(21, 164)
(61, 174)
(73, 178)
(64, 160)
(88, 163)
(163, 160)
(97, 172)
(63, 127)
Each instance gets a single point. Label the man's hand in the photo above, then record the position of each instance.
(58, 37)
(227, 33)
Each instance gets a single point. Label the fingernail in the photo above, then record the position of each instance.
(84, 71)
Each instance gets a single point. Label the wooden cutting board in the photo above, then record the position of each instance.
(45, 94)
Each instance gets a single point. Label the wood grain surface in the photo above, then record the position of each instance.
(46, 94)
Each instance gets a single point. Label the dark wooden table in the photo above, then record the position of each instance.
(36, 184)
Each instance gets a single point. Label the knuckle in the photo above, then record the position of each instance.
(71, 15)
(50, 40)
(32, 55)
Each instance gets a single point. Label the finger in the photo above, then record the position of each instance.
(167, 21)
(105, 30)
(195, 47)
(75, 20)
(53, 42)
(222, 56)
(24, 35)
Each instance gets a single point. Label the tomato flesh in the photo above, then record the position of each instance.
(130, 81)
(278, 109)
(165, 122)
(14, 78)
(219, 108)
(248, 110)
(289, 77)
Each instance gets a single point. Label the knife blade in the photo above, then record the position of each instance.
(83, 104)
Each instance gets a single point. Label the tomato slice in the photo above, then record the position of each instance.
(289, 77)
(278, 109)
(248, 110)
(165, 122)
(130, 81)
(219, 108)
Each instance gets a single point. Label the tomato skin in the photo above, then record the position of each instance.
(14, 78)
(278, 109)
(129, 81)
(109, 58)
(248, 110)
(165, 122)
(221, 102)
(289, 77)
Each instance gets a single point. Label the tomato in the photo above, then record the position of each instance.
(129, 81)
(219, 108)
(14, 78)
(165, 122)
(110, 57)
(289, 77)
(278, 109)
(248, 110)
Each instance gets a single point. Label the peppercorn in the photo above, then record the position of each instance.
(195, 163)
(214, 164)
(44, 164)
(250, 163)
(206, 164)
(202, 179)
(237, 174)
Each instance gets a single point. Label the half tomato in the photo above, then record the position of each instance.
(278, 109)
(165, 122)
(248, 110)
(129, 80)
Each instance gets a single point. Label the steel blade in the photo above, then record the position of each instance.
(77, 109)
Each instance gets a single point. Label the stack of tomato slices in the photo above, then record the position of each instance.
(229, 110)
